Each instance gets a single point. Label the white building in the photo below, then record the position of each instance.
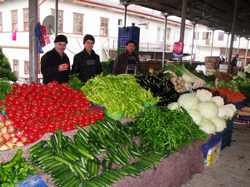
(101, 19)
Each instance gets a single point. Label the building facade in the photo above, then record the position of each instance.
(101, 19)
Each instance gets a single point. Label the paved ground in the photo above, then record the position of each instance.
(232, 169)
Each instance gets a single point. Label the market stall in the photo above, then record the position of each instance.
(164, 119)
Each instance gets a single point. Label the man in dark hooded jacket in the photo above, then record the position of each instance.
(87, 63)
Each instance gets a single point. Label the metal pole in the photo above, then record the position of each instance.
(193, 43)
(56, 18)
(245, 63)
(212, 43)
(238, 46)
(125, 15)
(227, 47)
(183, 20)
(33, 70)
(232, 35)
(164, 40)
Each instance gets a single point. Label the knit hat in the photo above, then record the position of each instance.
(61, 38)
(88, 37)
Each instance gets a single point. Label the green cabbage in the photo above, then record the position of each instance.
(208, 109)
(188, 101)
(207, 126)
(220, 124)
(195, 114)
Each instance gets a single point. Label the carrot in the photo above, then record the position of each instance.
(232, 96)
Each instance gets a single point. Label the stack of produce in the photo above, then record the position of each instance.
(10, 137)
(117, 94)
(15, 170)
(208, 112)
(37, 109)
(191, 80)
(160, 85)
(105, 146)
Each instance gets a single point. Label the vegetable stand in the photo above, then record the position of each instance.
(172, 171)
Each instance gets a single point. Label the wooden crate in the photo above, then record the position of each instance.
(215, 59)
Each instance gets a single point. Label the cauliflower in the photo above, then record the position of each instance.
(227, 111)
(218, 100)
(173, 106)
(204, 95)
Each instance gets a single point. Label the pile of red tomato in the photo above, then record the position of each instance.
(39, 108)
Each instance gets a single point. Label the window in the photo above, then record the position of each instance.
(206, 35)
(14, 19)
(235, 38)
(78, 23)
(196, 35)
(1, 22)
(16, 67)
(60, 19)
(104, 27)
(220, 36)
(168, 33)
(160, 34)
(119, 22)
(26, 19)
(26, 67)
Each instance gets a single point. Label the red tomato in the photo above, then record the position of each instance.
(42, 126)
(31, 136)
(35, 130)
(40, 134)
(68, 128)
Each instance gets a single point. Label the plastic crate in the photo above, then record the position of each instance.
(129, 33)
(226, 139)
(230, 126)
(215, 139)
(239, 105)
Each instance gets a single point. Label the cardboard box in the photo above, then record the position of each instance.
(213, 154)
(215, 59)
(210, 71)
(244, 114)
(211, 65)
(223, 66)
(223, 70)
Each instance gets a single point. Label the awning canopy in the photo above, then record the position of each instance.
(216, 14)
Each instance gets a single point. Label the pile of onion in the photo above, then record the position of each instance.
(10, 137)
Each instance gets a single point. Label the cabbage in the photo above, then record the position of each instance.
(208, 109)
(220, 124)
(195, 114)
(188, 78)
(188, 101)
(207, 126)
(173, 106)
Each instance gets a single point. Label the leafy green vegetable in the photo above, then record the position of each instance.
(5, 88)
(74, 82)
(166, 129)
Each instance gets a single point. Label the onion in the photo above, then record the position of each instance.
(4, 130)
(1, 134)
(14, 140)
(2, 118)
(19, 144)
(10, 145)
(11, 129)
(8, 122)
(1, 139)
(15, 124)
(4, 147)
(23, 139)
(6, 137)
(1, 124)
(18, 134)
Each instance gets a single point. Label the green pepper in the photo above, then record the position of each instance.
(14, 159)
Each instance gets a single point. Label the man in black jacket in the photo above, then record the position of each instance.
(127, 62)
(87, 63)
(55, 63)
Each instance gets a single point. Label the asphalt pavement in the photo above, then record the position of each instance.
(232, 168)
